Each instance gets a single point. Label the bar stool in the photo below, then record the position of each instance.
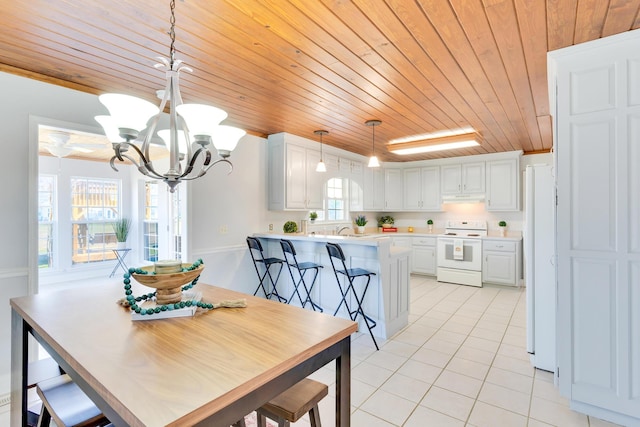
(291, 405)
(335, 252)
(63, 401)
(257, 255)
(302, 268)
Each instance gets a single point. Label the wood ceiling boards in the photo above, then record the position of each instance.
(300, 65)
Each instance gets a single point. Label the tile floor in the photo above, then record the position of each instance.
(461, 361)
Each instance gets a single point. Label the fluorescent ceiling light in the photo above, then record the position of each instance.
(435, 143)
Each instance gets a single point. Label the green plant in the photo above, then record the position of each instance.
(290, 227)
(361, 220)
(385, 219)
(121, 229)
(430, 221)
(502, 224)
(313, 215)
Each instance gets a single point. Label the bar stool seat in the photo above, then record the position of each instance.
(301, 267)
(336, 253)
(65, 403)
(257, 255)
(291, 405)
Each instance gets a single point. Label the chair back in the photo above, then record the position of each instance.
(289, 252)
(335, 251)
(255, 249)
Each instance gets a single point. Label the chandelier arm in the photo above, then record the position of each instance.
(145, 166)
(192, 161)
(219, 161)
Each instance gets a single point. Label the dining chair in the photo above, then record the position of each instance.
(257, 255)
(67, 405)
(336, 256)
(301, 268)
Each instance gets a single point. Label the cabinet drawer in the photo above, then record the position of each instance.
(423, 241)
(496, 245)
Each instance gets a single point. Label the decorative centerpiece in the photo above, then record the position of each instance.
(386, 221)
(171, 279)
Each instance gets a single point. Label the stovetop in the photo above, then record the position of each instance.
(472, 229)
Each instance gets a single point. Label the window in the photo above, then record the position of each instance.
(95, 204)
(176, 203)
(150, 221)
(46, 219)
(336, 200)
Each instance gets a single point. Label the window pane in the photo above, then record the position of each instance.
(150, 223)
(94, 205)
(46, 220)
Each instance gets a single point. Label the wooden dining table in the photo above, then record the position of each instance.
(207, 370)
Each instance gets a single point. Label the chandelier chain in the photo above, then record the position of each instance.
(172, 31)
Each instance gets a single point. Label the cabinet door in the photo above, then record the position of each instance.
(451, 179)
(393, 189)
(373, 189)
(356, 190)
(431, 200)
(424, 260)
(499, 267)
(473, 177)
(412, 189)
(315, 181)
(502, 185)
(296, 177)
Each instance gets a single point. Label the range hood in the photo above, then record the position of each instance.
(463, 198)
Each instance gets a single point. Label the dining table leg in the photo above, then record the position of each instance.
(343, 385)
(19, 372)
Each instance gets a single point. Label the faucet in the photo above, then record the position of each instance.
(338, 231)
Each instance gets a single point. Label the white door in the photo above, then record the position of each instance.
(431, 200)
(473, 178)
(502, 185)
(412, 189)
(598, 225)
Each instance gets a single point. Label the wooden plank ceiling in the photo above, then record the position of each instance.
(296, 66)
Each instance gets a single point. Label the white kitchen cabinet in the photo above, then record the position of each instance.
(503, 185)
(373, 189)
(424, 255)
(293, 182)
(422, 189)
(393, 189)
(500, 261)
(597, 129)
(465, 178)
(353, 171)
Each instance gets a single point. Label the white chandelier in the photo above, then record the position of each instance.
(192, 127)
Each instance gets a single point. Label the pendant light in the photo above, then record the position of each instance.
(373, 161)
(321, 166)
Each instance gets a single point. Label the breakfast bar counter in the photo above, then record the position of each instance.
(387, 300)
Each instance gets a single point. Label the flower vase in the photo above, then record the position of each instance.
(430, 228)
(503, 231)
(121, 245)
(361, 229)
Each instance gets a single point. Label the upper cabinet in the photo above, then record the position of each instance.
(392, 189)
(465, 178)
(293, 182)
(373, 189)
(503, 182)
(422, 189)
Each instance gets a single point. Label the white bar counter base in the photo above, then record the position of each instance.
(387, 299)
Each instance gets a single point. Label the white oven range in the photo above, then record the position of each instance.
(460, 252)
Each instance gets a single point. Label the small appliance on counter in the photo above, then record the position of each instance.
(460, 253)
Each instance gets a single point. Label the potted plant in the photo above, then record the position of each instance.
(290, 227)
(121, 229)
(361, 221)
(386, 221)
(313, 215)
(430, 224)
(503, 227)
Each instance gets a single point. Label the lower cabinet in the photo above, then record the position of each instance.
(424, 255)
(501, 262)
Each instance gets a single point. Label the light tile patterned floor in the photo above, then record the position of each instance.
(461, 361)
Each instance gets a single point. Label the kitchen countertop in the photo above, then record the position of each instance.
(371, 238)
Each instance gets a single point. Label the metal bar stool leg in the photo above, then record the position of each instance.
(360, 311)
